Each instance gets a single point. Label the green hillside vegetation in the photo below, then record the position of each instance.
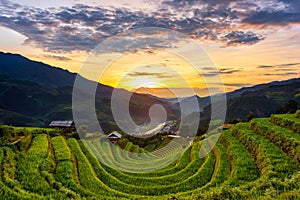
(44, 104)
(254, 160)
(33, 94)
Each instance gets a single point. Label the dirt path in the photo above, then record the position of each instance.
(18, 140)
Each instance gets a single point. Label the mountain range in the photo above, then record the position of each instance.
(33, 94)
(262, 99)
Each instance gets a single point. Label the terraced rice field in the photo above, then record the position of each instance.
(256, 160)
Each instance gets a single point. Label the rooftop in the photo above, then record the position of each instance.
(61, 123)
(114, 134)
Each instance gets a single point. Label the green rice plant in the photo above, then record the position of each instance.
(200, 177)
(276, 170)
(124, 160)
(61, 149)
(66, 167)
(180, 164)
(256, 160)
(87, 175)
(242, 171)
(243, 167)
(9, 166)
(30, 176)
(219, 177)
(158, 180)
(297, 114)
(285, 139)
(271, 160)
(287, 121)
(25, 143)
(14, 193)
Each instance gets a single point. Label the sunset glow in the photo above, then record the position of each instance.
(245, 50)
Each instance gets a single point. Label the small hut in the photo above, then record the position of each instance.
(114, 136)
(66, 126)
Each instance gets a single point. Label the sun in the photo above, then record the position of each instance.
(142, 82)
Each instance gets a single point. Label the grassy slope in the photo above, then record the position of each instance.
(256, 160)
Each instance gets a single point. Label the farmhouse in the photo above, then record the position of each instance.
(65, 125)
(114, 136)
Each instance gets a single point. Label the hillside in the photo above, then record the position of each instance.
(264, 102)
(33, 94)
(21, 68)
(256, 160)
(262, 99)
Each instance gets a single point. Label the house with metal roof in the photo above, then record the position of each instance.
(62, 124)
(114, 136)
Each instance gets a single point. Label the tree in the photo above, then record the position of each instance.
(290, 107)
(233, 121)
(250, 116)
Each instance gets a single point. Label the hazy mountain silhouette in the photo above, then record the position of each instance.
(34, 93)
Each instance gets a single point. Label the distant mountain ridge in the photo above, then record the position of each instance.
(206, 101)
(21, 68)
(33, 93)
(261, 100)
(254, 88)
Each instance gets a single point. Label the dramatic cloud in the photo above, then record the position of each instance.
(226, 71)
(278, 66)
(157, 75)
(237, 84)
(62, 58)
(210, 74)
(274, 17)
(288, 12)
(82, 27)
(284, 70)
(288, 65)
(229, 71)
(208, 68)
(282, 74)
(240, 38)
(265, 66)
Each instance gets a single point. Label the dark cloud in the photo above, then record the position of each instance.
(141, 40)
(157, 75)
(283, 12)
(237, 84)
(288, 65)
(226, 71)
(208, 68)
(62, 58)
(276, 66)
(265, 66)
(273, 17)
(210, 74)
(284, 70)
(82, 27)
(242, 38)
(229, 71)
(281, 74)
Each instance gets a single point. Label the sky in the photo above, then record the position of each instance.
(221, 45)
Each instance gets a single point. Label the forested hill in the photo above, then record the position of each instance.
(33, 94)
